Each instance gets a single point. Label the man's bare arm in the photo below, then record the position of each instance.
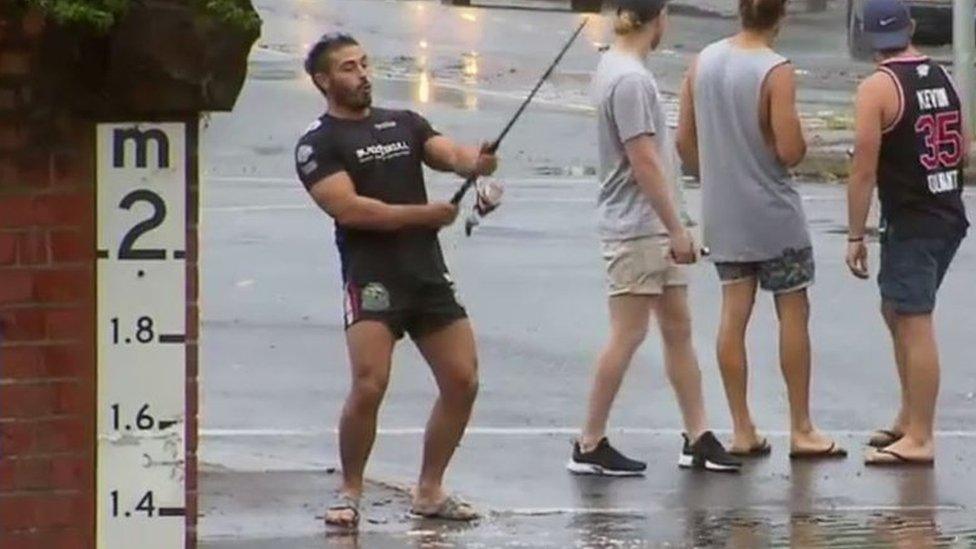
(784, 120)
(868, 126)
(336, 194)
(646, 163)
(687, 139)
(443, 154)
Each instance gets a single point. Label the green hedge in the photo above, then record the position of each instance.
(102, 14)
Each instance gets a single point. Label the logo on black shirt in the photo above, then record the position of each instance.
(383, 152)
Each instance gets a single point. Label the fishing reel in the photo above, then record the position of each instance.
(488, 196)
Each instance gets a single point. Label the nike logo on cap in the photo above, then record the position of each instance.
(888, 21)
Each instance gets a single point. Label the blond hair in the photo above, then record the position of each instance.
(627, 22)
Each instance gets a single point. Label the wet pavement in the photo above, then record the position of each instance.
(274, 367)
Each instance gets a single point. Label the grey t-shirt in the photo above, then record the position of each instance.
(628, 105)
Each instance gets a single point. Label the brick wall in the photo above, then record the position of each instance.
(47, 315)
(47, 353)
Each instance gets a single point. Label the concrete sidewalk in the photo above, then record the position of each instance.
(529, 500)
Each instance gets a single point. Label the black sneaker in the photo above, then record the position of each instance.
(604, 460)
(707, 453)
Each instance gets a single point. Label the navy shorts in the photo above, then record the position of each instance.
(417, 309)
(912, 270)
(791, 272)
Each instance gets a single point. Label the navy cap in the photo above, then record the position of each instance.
(888, 24)
(645, 9)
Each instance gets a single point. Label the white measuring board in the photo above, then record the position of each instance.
(142, 179)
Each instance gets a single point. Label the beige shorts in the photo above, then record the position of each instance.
(641, 266)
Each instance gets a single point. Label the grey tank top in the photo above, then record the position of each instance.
(751, 210)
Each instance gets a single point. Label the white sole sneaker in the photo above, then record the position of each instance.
(595, 470)
(688, 462)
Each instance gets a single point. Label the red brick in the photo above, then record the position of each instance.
(64, 209)
(12, 138)
(16, 286)
(8, 475)
(16, 211)
(71, 473)
(63, 285)
(33, 23)
(41, 511)
(16, 437)
(9, 173)
(8, 248)
(27, 400)
(21, 362)
(67, 538)
(74, 399)
(32, 248)
(71, 360)
(14, 63)
(61, 435)
(25, 474)
(8, 99)
(17, 512)
(23, 324)
(71, 169)
(68, 324)
(68, 246)
(44, 473)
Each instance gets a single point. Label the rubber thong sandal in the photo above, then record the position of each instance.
(890, 458)
(833, 452)
(764, 448)
(883, 438)
(341, 503)
(449, 509)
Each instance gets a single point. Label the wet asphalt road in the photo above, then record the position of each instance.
(274, 368)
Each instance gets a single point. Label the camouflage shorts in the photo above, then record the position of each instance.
(791, 272)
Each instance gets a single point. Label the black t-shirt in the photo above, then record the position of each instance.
(383, 155)
(920, 171)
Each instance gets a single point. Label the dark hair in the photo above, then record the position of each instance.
(761, 15)
(318, 56)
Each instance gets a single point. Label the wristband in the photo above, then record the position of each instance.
(855, 240)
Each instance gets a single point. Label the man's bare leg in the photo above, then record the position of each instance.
(452, 357)
(629, 317)
(922, 360)
(891, 320)
(793, 310)
(370, 345)
(680, 359)
(737, 303)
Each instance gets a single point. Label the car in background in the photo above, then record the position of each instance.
(933, 18)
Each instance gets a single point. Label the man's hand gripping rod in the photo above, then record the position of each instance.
(493, 148)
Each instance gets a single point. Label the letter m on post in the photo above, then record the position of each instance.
(141, 140)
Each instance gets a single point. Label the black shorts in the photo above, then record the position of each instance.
(417, 309)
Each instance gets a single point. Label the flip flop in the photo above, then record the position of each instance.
(343, 502)
(764, 448)
(894, 459)
(883, 438)
(833, 452)
(449, 509)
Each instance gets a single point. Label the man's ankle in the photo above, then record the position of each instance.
(588, 444)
